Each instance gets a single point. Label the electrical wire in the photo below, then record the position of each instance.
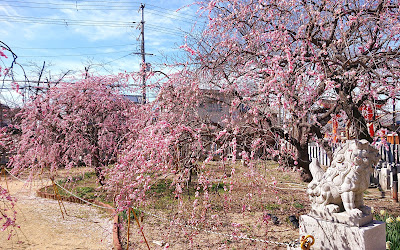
(73, 48)
(166, 30)
(173, 14)
(77, 55)
(66, 22)
(109, 4)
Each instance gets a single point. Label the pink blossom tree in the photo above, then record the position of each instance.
(163, 139)
(7, 202)
(277, 63)
(172, 140)
(284, 69)
(82, 122)
(295, 56)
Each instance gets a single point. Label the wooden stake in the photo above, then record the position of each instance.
(58, 198)
(134, 214)
(129, 225)
(5, 178)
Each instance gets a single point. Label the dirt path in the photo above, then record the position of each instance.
(42, 225)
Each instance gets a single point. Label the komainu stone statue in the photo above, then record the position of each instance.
(337, 194)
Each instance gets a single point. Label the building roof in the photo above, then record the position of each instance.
(134, 98)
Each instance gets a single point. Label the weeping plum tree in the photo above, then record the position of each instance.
(277, 64)
(7, 202)
(169, 140)
(165, 138)
(295, 57)
(83, 122)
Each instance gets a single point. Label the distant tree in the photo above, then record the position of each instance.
(83, 122)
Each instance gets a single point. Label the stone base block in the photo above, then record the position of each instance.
(342, 217)
(331, 235)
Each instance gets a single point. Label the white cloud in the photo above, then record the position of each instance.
(6, 23)
(161, 33)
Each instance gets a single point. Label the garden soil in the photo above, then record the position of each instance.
(42, 225)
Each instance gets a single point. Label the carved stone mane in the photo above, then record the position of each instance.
(337, 194)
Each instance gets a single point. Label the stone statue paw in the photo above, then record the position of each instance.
(355, 212)
(332, 208)
(365, 210)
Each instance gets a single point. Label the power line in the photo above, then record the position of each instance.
(66, 8)
(167, 30)
(170, 15)
(74, 5)
(80, 7)
(71, 48)
(91, 54)
(67, 21)
(180, 13)
(173, 14)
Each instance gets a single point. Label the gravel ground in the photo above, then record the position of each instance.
(43, 227)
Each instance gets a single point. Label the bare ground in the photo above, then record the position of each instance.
(43, 227)
(161, 231)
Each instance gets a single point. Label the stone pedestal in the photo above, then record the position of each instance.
(342, 218)
(332, 235)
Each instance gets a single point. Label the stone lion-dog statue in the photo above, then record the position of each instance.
(341, 187)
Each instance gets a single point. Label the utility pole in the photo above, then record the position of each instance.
(143, 53)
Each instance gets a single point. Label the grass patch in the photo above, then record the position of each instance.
(298, 205)
(272, 206)
(124, 215)
(86, 192)
(84, 186)
(218, 187)
(162, 187)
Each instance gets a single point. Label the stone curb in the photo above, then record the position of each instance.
(110, 210)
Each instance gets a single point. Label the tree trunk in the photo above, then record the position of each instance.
(99, 175)
(358, 124)
(304, 163)
(97, 168)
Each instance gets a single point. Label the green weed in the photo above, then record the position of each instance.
(217, 187)
(124, 214)
(392, 228)
(298, 205)
(272, 206)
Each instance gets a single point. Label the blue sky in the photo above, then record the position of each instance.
(70, 35)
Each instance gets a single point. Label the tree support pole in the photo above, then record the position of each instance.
(129, 225)
(137, 221)
(58, 198)
(5, 178)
